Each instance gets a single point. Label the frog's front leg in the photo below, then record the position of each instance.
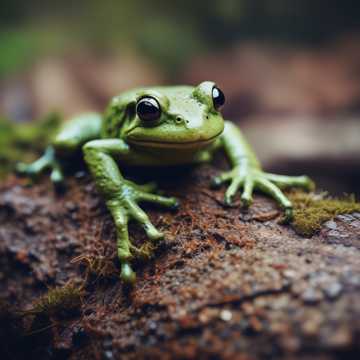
(122, 196)
(246, 173)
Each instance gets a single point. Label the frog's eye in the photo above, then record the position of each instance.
(218, 98)
(148, 109)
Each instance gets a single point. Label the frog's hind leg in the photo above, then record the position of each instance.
(72, 135)
(45, 162)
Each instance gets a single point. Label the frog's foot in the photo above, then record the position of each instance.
(46, 162)
(147, 188)
(250, 179)
(124, 208)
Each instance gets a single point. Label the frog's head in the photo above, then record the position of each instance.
(174, 117)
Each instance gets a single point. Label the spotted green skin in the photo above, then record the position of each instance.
(189, 131)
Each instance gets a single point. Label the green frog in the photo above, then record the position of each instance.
(158, 126)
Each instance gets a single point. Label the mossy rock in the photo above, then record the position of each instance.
(311, 210)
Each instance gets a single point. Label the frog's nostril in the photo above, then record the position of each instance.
(178, 119)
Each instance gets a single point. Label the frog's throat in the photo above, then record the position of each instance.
(174, 145)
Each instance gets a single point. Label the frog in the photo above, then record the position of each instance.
(156, 127)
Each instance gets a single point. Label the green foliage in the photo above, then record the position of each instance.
(168, 33)
(23, 142)
(21, 46)
(312, 210)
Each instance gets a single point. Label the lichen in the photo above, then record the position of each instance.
(58, 301)
(311, 210)
(23, 142)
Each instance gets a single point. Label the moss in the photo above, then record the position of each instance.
(23, 142)
(312, 210)
(59, 301)
(99, 266)
(105, 267)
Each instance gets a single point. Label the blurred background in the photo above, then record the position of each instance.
(290, 70)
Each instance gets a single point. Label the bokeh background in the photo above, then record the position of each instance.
(290, 70)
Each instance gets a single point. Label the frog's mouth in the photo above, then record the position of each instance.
(196, 144)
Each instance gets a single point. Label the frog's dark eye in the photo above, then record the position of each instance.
(218, 98)
(148, 109)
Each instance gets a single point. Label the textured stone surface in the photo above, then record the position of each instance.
(226, 283)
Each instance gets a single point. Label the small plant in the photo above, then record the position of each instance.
(312, 210)
(59, 301)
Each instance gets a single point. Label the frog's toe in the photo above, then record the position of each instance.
(246, 197)
(57, 177)
(308, 183)
(153, 233)
(217, 181)
(21, 168)
(283, 181)
(246, 200)
(127, 274)
(232, 190)
(169, 202)
(288, 214)
(149, 187)
(140, 216)
(175, 204)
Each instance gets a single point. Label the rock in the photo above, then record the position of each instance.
(265, 296)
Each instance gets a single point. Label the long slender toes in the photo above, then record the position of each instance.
(217, 181)
(300, 181)
(170, 202)
(152, 232)
(57, 177)
(289, 214)
(283, 181)
(127, 273)
(269, 188)
(175, 204)
(149, 187)
(21, 167)
(228, 199)
(28, 169)
(246, 197)
(231, 191)
(139, 215)
(308, 184)
(246, 201)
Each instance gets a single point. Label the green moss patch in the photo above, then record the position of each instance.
(312, 210)
(59, 301)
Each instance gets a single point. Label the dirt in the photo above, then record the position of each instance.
(226, 283)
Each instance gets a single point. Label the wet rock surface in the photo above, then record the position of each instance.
(226, 283)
